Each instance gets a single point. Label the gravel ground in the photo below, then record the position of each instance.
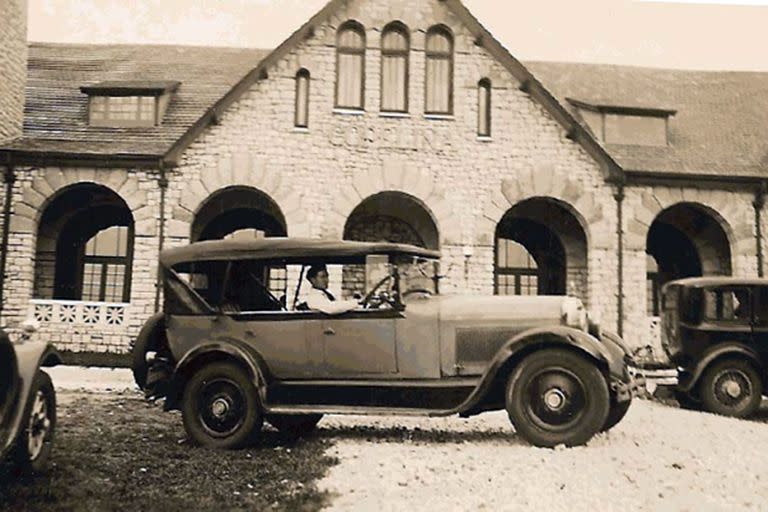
(658, 458)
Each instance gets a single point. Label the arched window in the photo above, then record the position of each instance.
(350, 66)
(484, 108)
(106, 265)
(395, 49)
(301, 119)
(439, 50)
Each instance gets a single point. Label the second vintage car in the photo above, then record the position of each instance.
(237, 344)
(715, 330)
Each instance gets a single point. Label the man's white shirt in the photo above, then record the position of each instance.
(318, 300)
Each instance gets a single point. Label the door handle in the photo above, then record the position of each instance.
(329, 331)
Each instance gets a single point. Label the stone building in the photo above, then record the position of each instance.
(377, 119)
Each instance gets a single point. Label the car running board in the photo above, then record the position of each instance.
(356, 410)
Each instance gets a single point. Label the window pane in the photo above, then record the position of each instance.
(109, 242)
(91, 282)
(98, 108)
(114, 283)
(351, 38)
(394, 70)
(439, 42)
(483, 109)
(394, 40)
(147, 109)
(124, 108)
(350, 81)
(438, 85)
(302, 99)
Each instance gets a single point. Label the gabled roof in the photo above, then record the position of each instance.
(720, 127)
(56, 120)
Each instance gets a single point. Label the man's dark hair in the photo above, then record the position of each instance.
(314, 270)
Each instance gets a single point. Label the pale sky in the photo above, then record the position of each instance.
(701, 34)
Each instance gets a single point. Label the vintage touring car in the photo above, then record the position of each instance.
(27, 401)
(235, 347)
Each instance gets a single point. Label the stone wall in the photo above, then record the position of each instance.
(13, 66)
(320, 175)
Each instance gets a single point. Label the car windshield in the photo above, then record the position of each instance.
(418, 275)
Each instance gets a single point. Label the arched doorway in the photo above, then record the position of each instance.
(85, 246)
(393, 217)
(541, 249)
(240, 211)
(685, 240)
(243, 213)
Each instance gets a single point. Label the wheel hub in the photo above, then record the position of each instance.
(554, 399)
(220, 407)
(732, 389)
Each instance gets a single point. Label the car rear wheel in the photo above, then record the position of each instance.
(731, 388)
(687, 401)
(35, 442)
(294, 424)
(221, 407)
(555, 397)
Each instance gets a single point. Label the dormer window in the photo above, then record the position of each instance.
(128, 104)
(626, 125)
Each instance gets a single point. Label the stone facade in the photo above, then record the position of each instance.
(316, 178)
(13, 66)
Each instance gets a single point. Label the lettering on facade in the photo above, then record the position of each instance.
(416, 138)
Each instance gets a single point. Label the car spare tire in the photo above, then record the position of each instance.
(150, 339)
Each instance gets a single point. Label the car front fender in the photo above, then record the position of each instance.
(690, 378)
(30, 357)
(232, 350)
(608, 357)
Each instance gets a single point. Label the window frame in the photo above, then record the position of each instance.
(401, 28)
(104, 262)
(351, 25)
(450, 57)
(108, 122)
(484, 87)
(517, 272)
(302, 74)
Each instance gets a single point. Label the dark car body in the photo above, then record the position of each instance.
(707, 323)
(21, 379)
(424, 354)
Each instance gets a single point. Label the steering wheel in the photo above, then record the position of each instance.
(417, 290)
(366, 302)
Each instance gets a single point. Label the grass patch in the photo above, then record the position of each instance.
(117, 452)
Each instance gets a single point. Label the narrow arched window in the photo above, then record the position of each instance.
(484, 108)
(350, 66)
(395, 49)
(439, 81)
(301, 119)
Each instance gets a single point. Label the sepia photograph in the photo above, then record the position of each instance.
(383, 255)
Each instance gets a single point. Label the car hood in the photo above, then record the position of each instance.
(530, 310)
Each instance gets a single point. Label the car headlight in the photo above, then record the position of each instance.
(575, 314)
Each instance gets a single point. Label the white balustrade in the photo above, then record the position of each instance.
(66, 312)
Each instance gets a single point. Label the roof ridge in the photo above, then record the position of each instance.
(58, 44)
(646, 68)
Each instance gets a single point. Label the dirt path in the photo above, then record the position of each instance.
(658, 458)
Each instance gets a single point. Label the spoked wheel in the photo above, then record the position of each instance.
(221, 407)
(35, 442)
(294, 424)
(731, 388)
(557, 397)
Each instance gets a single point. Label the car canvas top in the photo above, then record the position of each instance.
(300, 249)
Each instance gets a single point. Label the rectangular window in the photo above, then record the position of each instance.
(484, 108)
(123, 111)
(438, 86)
(302, 99)
(635, 130)
(350, 87)
(394, 69)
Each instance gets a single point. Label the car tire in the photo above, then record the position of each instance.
(221, 407)
(687, 401)
(32, 451)
(294, 424)
(615, 414)
(731, 387)
(150, 339)
(556, 397)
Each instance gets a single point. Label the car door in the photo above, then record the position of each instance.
(359, 343)
(760, 322)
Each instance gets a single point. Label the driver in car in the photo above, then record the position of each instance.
(320, 299)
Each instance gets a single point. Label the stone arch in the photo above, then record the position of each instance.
(394, 217)
(396, 176)
(53, 180)
(235, 208)
(555, 236)
(241, 170)
(84, 245)
(725, 208)
(555, 184)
